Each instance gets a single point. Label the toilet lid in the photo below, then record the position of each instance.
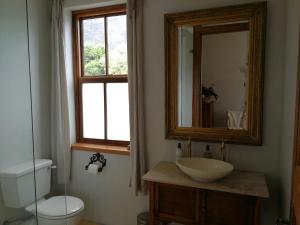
(60, 206)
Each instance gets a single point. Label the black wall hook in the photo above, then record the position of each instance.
(97, 158)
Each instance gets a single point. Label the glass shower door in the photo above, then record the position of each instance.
(16, 139)
(51, 207)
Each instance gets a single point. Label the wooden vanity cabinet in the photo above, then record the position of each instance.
(193, 206)
(177, 204)
(229, 209)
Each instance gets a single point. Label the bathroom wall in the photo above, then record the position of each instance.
(39, 26)
(291, 61)
(81, 4)
(15, 119)
(263, 158)
(107, 196)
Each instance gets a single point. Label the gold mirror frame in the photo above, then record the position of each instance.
(255, 14)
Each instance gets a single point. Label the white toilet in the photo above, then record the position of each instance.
(17, 184)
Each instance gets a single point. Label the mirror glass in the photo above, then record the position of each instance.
(213, 76)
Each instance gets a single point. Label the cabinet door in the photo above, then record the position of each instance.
(178, 204)
(228, 209)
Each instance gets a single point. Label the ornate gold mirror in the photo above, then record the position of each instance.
(214, 73)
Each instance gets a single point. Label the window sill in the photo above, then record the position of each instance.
(118, 150)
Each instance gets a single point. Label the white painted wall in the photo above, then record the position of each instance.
(254, 158)
(107, 196)
(84, 4)
(15, 119)
(291, 60)
(108, 199)
(15, 116)
(39, 27)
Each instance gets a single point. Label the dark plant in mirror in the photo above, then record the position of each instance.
(209, 94)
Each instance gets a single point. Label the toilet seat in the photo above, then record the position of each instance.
(59, 207)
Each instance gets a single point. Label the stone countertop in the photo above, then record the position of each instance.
(238, 182)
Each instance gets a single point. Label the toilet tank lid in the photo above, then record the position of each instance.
(24, 168)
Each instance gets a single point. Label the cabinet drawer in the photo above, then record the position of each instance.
(176, 203)
(228, 209)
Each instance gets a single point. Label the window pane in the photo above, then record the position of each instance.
(117, 44)
(94, 47)
(117, 112)
(93, 111)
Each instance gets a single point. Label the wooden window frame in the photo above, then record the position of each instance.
(79, 78)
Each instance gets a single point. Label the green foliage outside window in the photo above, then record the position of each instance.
(94, 61)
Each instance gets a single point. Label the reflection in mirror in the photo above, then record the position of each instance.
(213, 76)
(185, 82)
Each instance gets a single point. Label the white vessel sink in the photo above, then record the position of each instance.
(204, 170)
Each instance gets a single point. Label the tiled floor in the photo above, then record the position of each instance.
(32, 221)
(86, 222)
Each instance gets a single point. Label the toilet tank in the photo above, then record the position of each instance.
(17, 182)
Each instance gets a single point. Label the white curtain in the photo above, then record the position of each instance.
(135, 82)
(60, 130)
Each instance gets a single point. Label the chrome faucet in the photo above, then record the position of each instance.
(189, 148)
(223, 151)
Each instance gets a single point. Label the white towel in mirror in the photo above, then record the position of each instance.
(235, 120)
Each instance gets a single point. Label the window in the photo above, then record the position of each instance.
(101, 81)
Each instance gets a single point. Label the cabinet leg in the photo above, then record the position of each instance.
(151, 221)
(257, 210)
(152, 203)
